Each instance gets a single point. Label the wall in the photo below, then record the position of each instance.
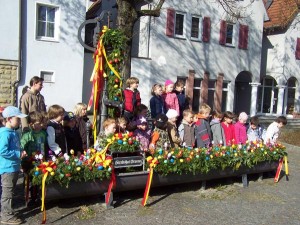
(64, 57)
(8, 75)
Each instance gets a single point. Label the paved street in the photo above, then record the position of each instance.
(263, 202)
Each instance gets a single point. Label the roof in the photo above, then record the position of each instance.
(281, 13)
(93, 9)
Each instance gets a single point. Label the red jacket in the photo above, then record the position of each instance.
(229, 133)
(131, 99)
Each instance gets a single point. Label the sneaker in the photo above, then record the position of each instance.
(13, 220)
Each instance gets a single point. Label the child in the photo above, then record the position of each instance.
(186, 129)
(157, 101)
(142, 133)
(141, 110)
(255, 131)
(228, 128)
(274, 129)
(172, 128)
(72, 133)
(56, 136)
(121, 125)
(160, 137)
(202, 129)
(218, 135)
(82, 119)
(109, 128)
(33, 140)
(183, 103)
(170, 98)
(10, 154)
(131, 97)
(240, 129)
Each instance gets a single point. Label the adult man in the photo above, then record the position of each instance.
(32, 100)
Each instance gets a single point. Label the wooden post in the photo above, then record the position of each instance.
(218, 93)
(189, 87)
(204, 88)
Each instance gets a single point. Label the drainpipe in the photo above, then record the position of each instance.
(15, 84)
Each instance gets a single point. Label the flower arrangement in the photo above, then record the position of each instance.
(203, 160)
(89, 166)
(121, 143)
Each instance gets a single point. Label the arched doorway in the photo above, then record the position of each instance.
(267, 96)
(290, 95)
(242, 93)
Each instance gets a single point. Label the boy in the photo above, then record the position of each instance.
(202, 130)
(274, 129)
(10, 154)
(216, 128)
(33, 140)
(72, 133)
(255, 131)
(186, 129)
(131, 97)
(183, 103)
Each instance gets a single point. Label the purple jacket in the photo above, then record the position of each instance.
(143, 137)
(240, 133)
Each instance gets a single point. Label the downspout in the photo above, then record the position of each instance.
(15, 84)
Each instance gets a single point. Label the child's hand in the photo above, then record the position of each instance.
(23, 154)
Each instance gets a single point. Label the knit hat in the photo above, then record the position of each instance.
(243, 116)
(168, 82)
(141, 120)
(172, 113)
(161, 120)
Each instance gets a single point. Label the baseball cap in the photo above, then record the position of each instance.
(11, 111)
(69, 116)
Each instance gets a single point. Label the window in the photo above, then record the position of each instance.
(47, 22)
(47, 76)
(211, 93)
(229, 34)
(196, 28)
(180, 25)
(196, 94)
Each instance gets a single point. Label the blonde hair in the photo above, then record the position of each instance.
(78, 109)
(204, 108)
(155, 87)
(187, 112)
(54, 111)
(121, 120)
(108, 122)
(131, 80)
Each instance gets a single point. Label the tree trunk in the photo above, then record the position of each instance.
(126, 18)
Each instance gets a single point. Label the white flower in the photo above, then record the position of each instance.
(66, 156)
(41, 156)
(53, 158)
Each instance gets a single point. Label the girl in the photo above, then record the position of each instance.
(121, 125)
(160, 137)
(56, 136)
(216, 128)
(172, 128)
(228, 128)
(81, 122)
(142, 133)
(240, 129)
(140, 110)
(156, 102)
(170, 98)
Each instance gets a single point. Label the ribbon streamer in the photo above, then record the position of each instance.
(276, 178)
(286, 168)
(148, 185)
(43, 209)
(112, 183)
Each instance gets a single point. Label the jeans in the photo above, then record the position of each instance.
(9, 181)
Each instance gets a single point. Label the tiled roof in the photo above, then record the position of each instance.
(281, 13)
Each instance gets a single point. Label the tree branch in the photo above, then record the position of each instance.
(153, 12)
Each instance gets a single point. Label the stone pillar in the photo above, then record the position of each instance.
(218, 92)
(280, 101)
(8, 76)
(253, 98)
(189, 87)
(204, 88)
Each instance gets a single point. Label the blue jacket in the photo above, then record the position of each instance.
(9, 151)
(156, 106)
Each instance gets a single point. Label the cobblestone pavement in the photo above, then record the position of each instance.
(263, 202)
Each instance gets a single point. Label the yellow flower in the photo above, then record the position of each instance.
(72, 152)
(52, 173)
(78, 168)
(181, 160)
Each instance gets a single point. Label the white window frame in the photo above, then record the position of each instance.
(233, 34)
(200, 27)
(183, 36)
(49, 72)
(56, 23)
(225, 90)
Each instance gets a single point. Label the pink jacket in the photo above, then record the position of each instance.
(240, 133)
(171, 101)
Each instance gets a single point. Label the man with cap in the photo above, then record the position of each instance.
(10, 161)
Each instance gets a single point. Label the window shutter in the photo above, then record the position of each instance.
(297, 53)
(222, 40)
(170, 22)
(206, 29)
(243, 36)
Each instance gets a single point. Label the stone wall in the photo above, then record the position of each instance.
(8, 75)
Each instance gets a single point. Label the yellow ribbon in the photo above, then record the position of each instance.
(286, 165)
(43, 209)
